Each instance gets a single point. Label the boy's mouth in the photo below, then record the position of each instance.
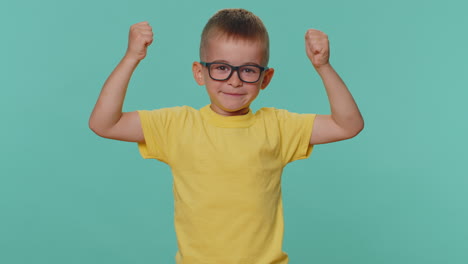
(233, 94)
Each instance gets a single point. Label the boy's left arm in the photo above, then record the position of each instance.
(345, 120)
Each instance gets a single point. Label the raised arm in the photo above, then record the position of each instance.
(107, 119)
(345, 120)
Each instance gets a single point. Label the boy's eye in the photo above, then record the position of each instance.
(250, 70)
(221, 67)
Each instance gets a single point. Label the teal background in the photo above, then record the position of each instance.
(395, 194)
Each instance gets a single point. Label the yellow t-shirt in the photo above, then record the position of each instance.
(227, 179)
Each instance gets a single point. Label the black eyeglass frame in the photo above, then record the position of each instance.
(233, 68)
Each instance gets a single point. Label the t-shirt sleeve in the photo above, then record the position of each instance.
(296, 130)
(157, 125)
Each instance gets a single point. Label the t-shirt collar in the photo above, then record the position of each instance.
(227, 121)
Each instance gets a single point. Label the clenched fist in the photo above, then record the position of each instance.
(317, 47)
(139, 38)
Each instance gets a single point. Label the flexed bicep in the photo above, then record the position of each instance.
(325, 130)
(128, 128)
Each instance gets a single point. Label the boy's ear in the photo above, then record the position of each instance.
(267, 78)
(197, 70)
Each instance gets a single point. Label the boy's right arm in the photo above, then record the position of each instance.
(107, 119)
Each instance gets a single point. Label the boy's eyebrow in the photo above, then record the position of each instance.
(247, 63)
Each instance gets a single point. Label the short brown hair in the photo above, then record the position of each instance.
(238, 24)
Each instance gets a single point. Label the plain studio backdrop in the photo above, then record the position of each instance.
(395, 194)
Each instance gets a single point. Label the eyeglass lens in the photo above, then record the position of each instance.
(248, 73)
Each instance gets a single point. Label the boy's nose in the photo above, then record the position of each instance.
(234, 80)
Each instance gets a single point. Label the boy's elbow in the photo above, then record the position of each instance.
(95, 128)
(359, 130)
(353, 129)
(359, 127)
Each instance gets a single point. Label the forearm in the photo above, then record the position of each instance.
(344, 109)
(108, 108)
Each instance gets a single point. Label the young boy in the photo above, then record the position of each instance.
(227, 161)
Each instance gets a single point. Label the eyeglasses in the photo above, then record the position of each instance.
(222, 71)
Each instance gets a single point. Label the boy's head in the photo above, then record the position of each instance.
(233, 38)
(236, 24)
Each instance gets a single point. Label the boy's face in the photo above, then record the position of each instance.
(232, 96)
